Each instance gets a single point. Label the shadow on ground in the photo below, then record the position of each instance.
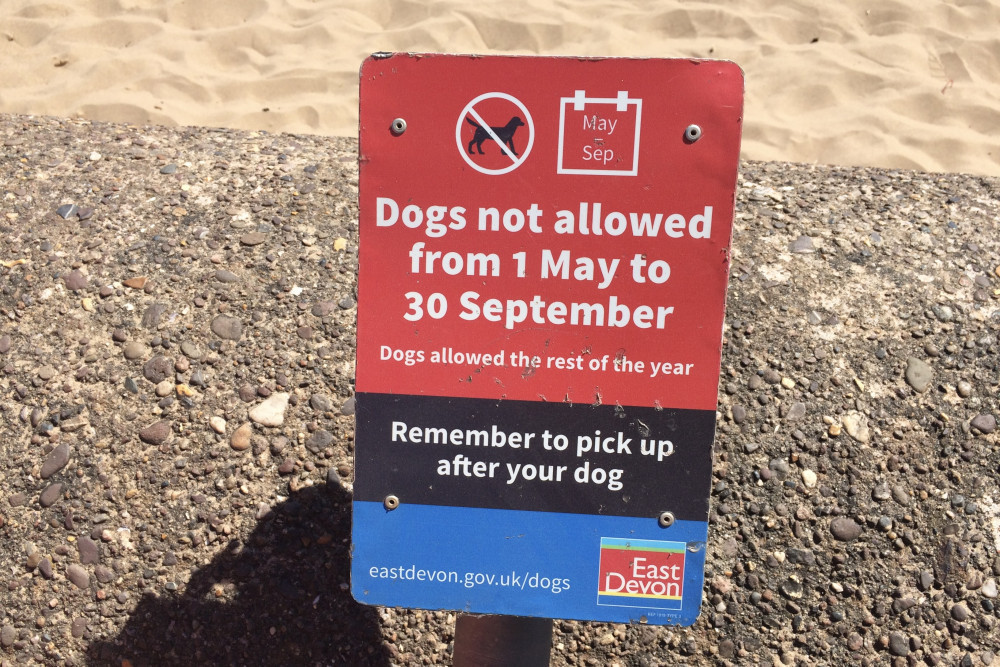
(274, 600)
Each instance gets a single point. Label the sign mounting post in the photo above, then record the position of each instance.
(543, 270)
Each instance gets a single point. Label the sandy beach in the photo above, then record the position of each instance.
(891, 84)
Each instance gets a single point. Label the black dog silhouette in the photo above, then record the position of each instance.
(505, 134)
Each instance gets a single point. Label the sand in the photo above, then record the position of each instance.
(912, 85)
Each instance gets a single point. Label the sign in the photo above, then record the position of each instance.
(544, 258)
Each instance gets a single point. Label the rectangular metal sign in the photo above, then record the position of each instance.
(543, 269)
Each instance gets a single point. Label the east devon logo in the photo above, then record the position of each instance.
(641, 573)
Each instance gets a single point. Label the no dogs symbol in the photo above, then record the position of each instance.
(495, 133)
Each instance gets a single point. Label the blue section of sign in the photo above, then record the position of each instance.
(543, 564)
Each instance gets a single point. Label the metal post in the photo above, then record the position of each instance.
(502, 641)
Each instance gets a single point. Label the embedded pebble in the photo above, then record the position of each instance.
(88, 550)
(856, 426)
(943, 313)
(801, 557)
(158, 369)
(217, 423)
(55, 461)
(918, 374)
(803, 244)
(241, 437)
(323, 308)
(986, 423)
(253, 238)
(77, 575)
(247, 393)
(152, 315)
(50, 494)
(796, 411)
(793, 588)
(881, 492)
(191, 350)
(228, 328)
(156, 433)
(901, 495)
(318, 440)
(198, 378)
(779, 466)
(272, 411)
(134, 350)
(899, 644)
(845, 529)
(75, 280)
(320, 403)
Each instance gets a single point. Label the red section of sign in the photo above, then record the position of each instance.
(642, 573)
(542, 283)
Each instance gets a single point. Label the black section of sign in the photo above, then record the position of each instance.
(461, 452)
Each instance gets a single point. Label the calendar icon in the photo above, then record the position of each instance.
(599, 135)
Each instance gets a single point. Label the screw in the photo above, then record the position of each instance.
(692, 134)
(398, 126)
(666, 519)
(390, 503)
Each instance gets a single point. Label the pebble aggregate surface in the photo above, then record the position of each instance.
(177, 317)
